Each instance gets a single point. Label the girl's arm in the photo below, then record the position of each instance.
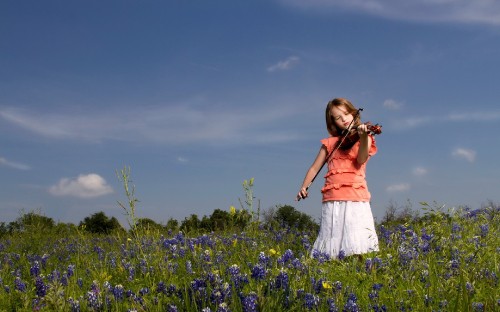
(311, 173)
(365, 141)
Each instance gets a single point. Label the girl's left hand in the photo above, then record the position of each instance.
(362, 130)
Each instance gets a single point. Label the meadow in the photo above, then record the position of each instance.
(440, 261)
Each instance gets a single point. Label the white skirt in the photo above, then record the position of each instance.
(347, 228)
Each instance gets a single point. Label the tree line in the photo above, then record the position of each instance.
(219, 220)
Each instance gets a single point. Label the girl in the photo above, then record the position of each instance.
(347, 226)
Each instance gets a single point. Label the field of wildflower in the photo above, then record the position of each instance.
(438, 262)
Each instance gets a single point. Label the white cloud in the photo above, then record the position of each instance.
(182, 159)
(475, 116)
(398, 187)
(466, 154)
(181, 123)
(392, 104)
(84, 186)
(461, 11)
(284, 65)
(419, 171)
(14, 165)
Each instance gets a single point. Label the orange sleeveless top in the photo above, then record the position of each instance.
(345, 179)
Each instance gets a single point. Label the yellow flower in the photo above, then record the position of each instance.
(326, 285)
(235, 241)
(272, 251)
(232, 210)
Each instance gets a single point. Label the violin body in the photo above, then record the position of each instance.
(350, 138)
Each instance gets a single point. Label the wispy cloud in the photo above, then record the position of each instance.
(419, 171)
(84, 186)
(392, 104)
(412, 122)
(464, 153)
(182, 160)
(287, 64)
(401, 187)
(172, 123)
(461, 11)
(15, 165)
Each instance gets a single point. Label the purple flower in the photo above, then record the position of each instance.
(189, 267)
(258, 272)
(20, 285)
(484, 229)
(341, 255)
(477, 306)
(311, 301)
(41, 288)
(118, 292)
(281, 281)
(351, 305)
(35, 269)
(331, 305)
(71, 270)
(249, 302)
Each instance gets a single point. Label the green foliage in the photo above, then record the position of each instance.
(288, 217)
(99, 223)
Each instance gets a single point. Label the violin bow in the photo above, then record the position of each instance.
(334, 150)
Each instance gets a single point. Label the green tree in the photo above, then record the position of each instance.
(191, 224)
(99, 223)
(172, 225)
(288, 216)
(31, 221)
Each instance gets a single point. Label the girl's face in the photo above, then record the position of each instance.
(341, 116)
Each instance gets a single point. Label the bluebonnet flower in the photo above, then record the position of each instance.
(377, 308)
(469, 287)
(19, 284)
(331, 305)
(258, 272)
(281, 280)
(263, 259)
(118, 292)
(477, 306)
(484, 229)
(234, 270)
(161, 287)
(377, 286)
(79, 281)
(71, 270)
(41, 288)
(368, 265)
(287, 256)
(249, 302)
(93, 300)
(311, 301)
(341, 255)
(189, 267)
(131, 273)
(74, 305)
(351, 305)
(35, 269)
(320, 256)
(172, 308)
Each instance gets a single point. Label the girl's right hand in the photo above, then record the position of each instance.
(302, 194)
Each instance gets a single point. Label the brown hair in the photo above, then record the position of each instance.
(330, 122)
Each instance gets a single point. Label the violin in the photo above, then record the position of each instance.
(349, 138)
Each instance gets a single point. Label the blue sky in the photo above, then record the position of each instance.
(198, 96)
